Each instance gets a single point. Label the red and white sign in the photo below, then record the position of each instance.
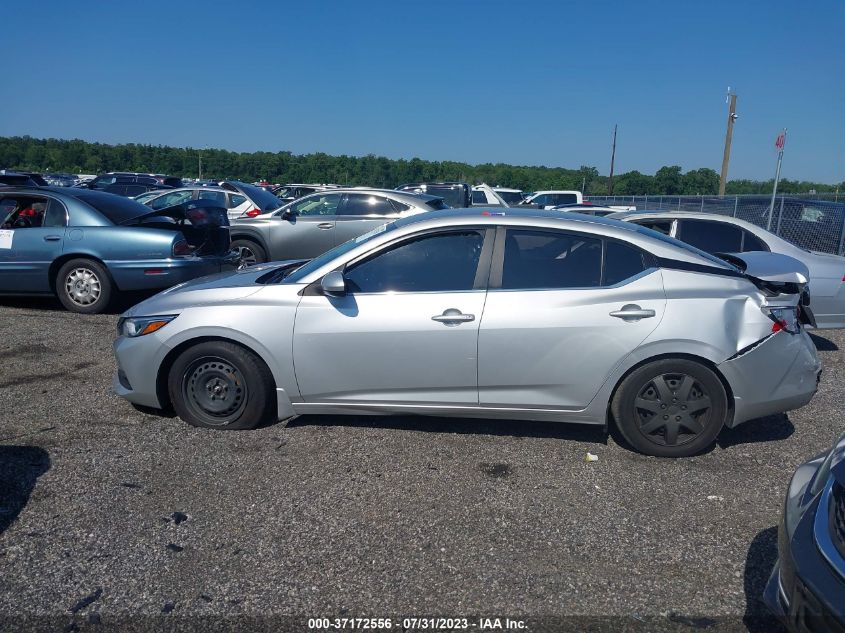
(780, 141)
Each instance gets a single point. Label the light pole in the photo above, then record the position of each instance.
(726, 157)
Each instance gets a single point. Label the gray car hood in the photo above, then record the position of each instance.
(210, 290)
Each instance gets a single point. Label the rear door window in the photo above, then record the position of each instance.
(711, 236)
(366, 204)
(219, 197)
(479, 197)
(539, 260)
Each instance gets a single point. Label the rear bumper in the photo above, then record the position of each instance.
(779, 374)
(157, 274)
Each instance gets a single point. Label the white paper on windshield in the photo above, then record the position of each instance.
(6, 238)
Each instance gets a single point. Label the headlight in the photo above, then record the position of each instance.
(139, 326)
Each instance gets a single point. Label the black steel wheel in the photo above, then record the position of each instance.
(670, 407)
(221, 385)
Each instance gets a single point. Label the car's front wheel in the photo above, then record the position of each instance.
(250, 252)
(670, 408)
(221, 385)
(84, 286)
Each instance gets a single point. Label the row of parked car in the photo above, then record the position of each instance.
(353, 300)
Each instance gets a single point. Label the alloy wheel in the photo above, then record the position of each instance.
(247, 257)
(83, 287)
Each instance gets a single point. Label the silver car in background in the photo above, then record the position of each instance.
(318, 222)
(725, 234)
(521, 315)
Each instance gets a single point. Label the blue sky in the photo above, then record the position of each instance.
(520, 82)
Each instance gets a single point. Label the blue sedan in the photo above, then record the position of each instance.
(84, 246)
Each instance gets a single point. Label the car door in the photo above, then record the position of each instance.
(32, 238)
(405, 331)
(308, 229)
(362, 212)
(563, 310)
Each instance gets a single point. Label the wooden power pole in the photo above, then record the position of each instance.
(723, 178)
(612, 159)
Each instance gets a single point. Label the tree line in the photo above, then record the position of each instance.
(77, 156)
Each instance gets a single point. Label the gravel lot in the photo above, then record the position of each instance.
(108, 513)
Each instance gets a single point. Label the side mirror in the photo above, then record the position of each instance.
(287, 214)
(333, 284)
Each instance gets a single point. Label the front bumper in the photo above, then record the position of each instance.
(780, 374)
(134, 379)
(804, 589)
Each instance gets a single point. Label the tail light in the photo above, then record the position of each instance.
(785, 319)
(252, 213)
(182, 249)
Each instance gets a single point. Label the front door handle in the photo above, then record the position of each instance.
(632, 312)
(453, 316)
(325, 225)
(52, 238)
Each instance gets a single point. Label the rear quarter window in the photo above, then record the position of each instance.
(621, 262)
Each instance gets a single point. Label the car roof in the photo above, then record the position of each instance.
(689, 215)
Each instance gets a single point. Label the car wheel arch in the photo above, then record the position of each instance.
(251, 237)
(167, 363)
(706, 362)
(60, 261)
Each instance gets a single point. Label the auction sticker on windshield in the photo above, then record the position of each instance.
(6, 237)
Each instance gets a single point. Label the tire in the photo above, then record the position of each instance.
(84, 286)
(220, 385)
(670, 408)
(251, 252)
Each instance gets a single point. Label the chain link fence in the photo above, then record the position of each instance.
(816, 224)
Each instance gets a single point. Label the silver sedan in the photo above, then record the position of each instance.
(725, 234)
(315, 223)
(516, 314)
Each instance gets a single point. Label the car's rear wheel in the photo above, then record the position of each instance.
(250, 252)
(84, 286)
(221, 385)
(670, 408)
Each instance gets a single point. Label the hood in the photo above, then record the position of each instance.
(210, 290)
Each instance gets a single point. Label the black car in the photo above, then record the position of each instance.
(20, 179)
(131, 184)
(457, 195)
(807, 587)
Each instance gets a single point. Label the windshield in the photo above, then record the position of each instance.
(262, 198)
(297, 275)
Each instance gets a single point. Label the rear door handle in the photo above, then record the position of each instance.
(325, 225)
(52, 238)
(632, 312)
(453, 316)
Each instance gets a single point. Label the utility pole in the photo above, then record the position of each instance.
(199, 170)
(780, 143)
(612, 160)
(732, 116)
